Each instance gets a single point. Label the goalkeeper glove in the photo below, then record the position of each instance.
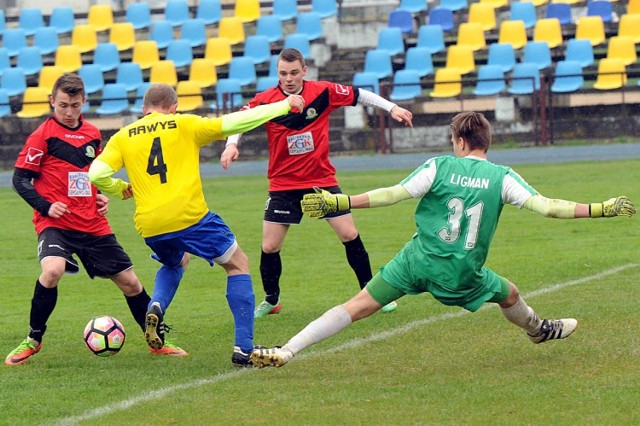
(323, 202)
(619, 206)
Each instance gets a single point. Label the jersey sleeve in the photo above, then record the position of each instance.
(419, 182)
(515, 190)
(32, 153)
(342, 95)
(204, 130)
(111, 153)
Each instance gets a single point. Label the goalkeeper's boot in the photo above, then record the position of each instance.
(22, 353)
(389, 307)
(271, 357)
(154, 327)
(169, 349)
(265, 308)
(554, 329)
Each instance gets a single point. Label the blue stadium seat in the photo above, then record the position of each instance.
(176, 12)
(271, 27)
(5, 106)
(413, 6)
(107, 56)
(273, 66)
(538, 53)
(378, 62)
(243, 69)
(162, 33)
(503, 55)
(367, 80)
(114, 99)
(285, 10)
(310, 24)
(210, 11)
(490, 81)
(257, 48)
(30, 19)
(580, 50)
(62, 19)
(129, 74)
(326, 8)
(524, 11)
(526, 79)
(265, 83)
(406, 85)
(601, 8)
(300, 42)
(14, 81)
(46, 38)
(567, 77)
(136, 108)
(139, 14)
(391, 40)
(194, 30)
(93, 78)
(180, 52)
(402, 19)
(14, 39)
(419, 59)
(30, 60)
(231, 90)
(3, 21)
(453, 5)
(560, 11)
(443, 17)
(5, 60)
(431, 37)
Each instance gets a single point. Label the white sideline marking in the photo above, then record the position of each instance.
(149, 396)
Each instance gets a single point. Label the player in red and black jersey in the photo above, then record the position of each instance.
(299, 160)
(51, 175)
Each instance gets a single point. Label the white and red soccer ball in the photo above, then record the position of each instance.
(104, 335)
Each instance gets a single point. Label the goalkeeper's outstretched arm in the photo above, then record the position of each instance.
(563, 209)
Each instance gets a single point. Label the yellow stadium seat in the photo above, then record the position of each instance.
(592, 29)
(612, 74)
(537, 3)
(496, 4)
(247, 10)
(483, 14)
(68, 57)
(203, 72)
(231, 28)
(549, 30)
(85, 37)
(218, 49)
(48, 76)
(471, 34)
(622, 48)
(567, 1)
(163, 72)
(629, 26)
(633, 7)
(100, 16)
(145, 53)
(123, 35)
(460, 58)
(189, 96)
(35, 103)
(448, 83)
(514, 33)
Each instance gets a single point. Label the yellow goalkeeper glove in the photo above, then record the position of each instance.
(619, 206)
(323, 202)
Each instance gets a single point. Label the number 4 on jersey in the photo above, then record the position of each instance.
(156, 164)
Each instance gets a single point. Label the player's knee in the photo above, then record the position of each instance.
(50, 276)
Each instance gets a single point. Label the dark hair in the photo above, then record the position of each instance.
(160, 95)
(474, 128)
(292, 55)
(69, 83)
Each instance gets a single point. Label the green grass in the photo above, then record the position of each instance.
(436, 364)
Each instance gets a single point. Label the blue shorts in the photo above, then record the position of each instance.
(210, 239)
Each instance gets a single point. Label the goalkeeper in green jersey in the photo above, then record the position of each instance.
(460, 199)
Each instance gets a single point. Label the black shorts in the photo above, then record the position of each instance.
(101, 256)
(284, 206)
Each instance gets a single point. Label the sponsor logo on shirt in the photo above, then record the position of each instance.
(34, 155)
(300, 144)
(311, 114)
(70, 136)
(79, 184)
(90, 152)
(342, 90)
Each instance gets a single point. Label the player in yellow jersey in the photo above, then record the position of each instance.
(161, 154)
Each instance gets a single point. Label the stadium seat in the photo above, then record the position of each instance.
(419, 59)
(123, 35)
(310, 24)
(107, 56)
(326, 8)
(471, 34)
(30, 60)
(431, 37)
(3, 21)
(163, 72)
(523, 11)
(258, 48)
(548, 29)
(567, 77)
(218, 49)
(580, 51)
(129, 74)
(601, 8)
(592, 29)
(30, 19)
(378, 62)
(413, 6)
(537, 3)
(210, 11)
(633, 7)
(453, 5)
(496, 4)
(139, 15)
(622, 48)
(447, 83)
(114, 99)
(460, 58)
(35, 103)
(48, 76)
(14, 81)
(189, 96)
(285, 10)
(100, 16)
(46, 39)
(443, 17)
(483, 14)
(180, 52)
(232, 28)
(136, 108)
(271, 27)
(300, 42)
(612, 74)
(513, 33)
(228, 95)
(538, 53)
(194, 30)
(14, 39)
(176, 12)
(406, 85)
(5, 105)
(68, 57)
(390, 39)
(403, 19)
(243, 69)
(145, 53)
(247, 10)
(162, 33)
(559, 11)
(526, 79)
(203, 71)
(93, 78)
(502, 55)
(265, 83)
(62, 19)
(5, 60)
(629, 26)
(366, 80)
(490, 81)
(85, 37)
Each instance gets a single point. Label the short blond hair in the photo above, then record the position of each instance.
(160, 96)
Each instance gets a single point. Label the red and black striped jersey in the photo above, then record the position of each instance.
(299, 142)
(59, 157)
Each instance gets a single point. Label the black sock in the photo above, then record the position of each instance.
(270, 271)
(42, 305)
(358, 259)
(138, 307)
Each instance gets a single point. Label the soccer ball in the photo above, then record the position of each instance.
(104, 335)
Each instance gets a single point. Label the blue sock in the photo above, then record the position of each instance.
(166, 285)
(242, 302)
